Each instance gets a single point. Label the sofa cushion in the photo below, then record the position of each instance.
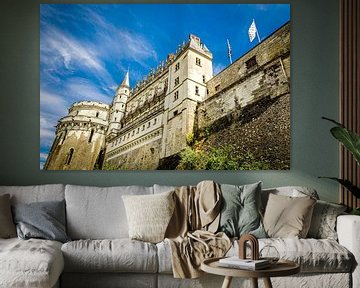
(313, 255)
(323, 222)
(291, 191)
(34, 193)
(98, 213)
(240, 212)
(117, 255)
(30, 263)
(287, 216)
(43, 220)
(149, 215)
(7, 226)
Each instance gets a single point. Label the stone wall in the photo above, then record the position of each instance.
(262, 72)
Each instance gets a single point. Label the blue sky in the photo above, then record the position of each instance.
(85, 49)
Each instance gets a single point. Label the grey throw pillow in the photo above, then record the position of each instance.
(240, 213)
(323, 222)
(7, 226)
(44, 220)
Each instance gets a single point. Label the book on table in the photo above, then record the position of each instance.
(236, 262)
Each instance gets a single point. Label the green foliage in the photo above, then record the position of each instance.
(218, 158)
(348, 138)
(108, 166)
(351, 141)
(190, 139)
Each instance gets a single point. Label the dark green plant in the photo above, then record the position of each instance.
(351, 141)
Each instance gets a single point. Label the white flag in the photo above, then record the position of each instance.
(252, 31)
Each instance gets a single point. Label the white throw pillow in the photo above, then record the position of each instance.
(149, 215)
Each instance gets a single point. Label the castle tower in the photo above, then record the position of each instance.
(80, 138)
(190, 69)
(117, 110)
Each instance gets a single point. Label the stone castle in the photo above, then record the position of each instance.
(149, 123)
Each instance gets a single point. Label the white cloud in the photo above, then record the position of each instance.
(61, 53)
(80, 89)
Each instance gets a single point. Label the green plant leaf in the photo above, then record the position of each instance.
(347, 184)
(348, 138)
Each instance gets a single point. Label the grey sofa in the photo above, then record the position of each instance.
(101, 254)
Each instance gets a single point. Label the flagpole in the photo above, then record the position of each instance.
(257, 31)
(229, 50)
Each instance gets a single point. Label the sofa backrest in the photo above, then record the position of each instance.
(35, 193)
(293, 191)
(98, 212)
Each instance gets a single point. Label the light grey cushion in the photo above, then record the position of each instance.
(44, 220)
(240, 213)
(98, 213)
(7, 226)
(149, 215)
(291, 191)
(288, 216)
(323, 222)
(34, 193)
(117, 255)
(30, 263)
(313, 255)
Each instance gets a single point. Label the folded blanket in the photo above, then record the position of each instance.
(191, 231)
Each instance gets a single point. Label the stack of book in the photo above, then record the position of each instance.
(248, 264)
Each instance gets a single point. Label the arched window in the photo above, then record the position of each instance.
(70, 156)
(91, 135)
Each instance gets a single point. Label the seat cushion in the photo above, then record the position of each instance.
(117, 255)
(30, 263)
(98, 213)
(313, 255)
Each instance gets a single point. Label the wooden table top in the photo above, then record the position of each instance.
(281, 268)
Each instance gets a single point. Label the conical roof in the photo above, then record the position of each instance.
(126, 81)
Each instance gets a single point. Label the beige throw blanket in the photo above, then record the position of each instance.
(190, 232)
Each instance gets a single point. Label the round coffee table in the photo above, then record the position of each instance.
(281, 268)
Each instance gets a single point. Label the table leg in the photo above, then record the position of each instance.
(267, 283)
(254, 282)
(227, 282)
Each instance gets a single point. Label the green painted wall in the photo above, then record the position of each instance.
(314, 88)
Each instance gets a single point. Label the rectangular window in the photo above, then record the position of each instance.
(177, 66)
(217, 87)
(198, 61)
(204, 79)
(154, 121)
(176, 95)
(176, 112)
(196, 90)
(148, 124)
(251, 63)
(177, 81)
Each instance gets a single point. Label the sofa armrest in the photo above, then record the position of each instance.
(348, 230)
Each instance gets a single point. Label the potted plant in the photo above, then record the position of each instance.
(351, 141)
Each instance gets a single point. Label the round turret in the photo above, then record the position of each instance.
(80, 137)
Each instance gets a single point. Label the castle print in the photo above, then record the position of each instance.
(182, 117)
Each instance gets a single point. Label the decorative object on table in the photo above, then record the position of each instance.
(269, 253)
(351, 141)
(254, 246)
